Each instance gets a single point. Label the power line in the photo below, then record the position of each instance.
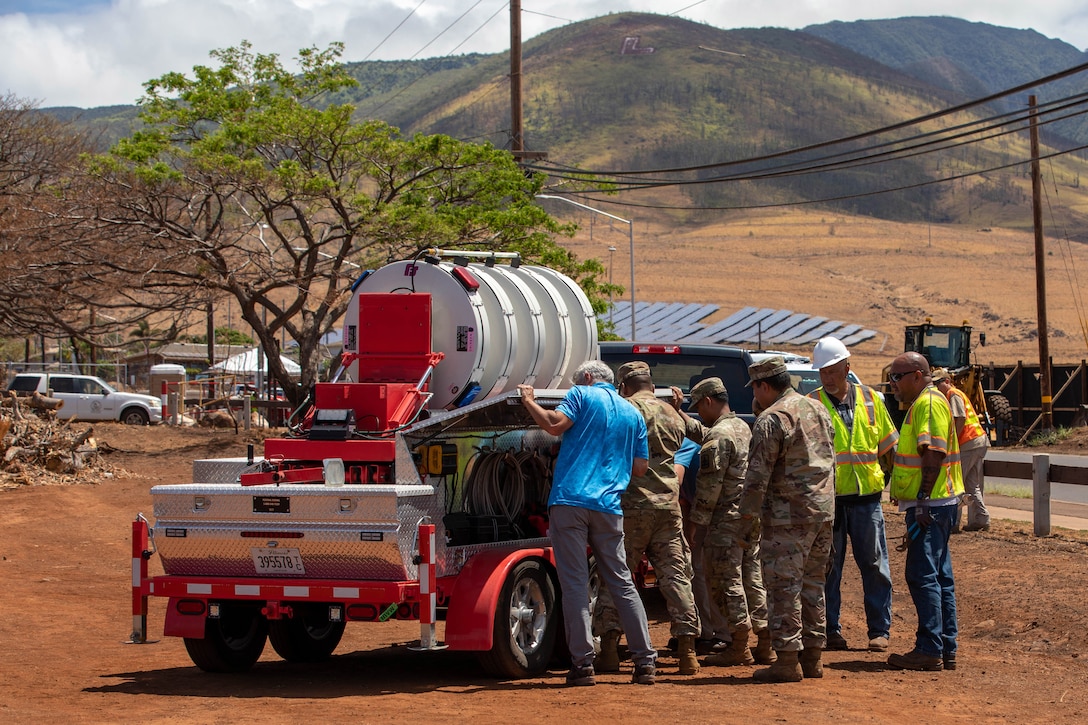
(860, 136)
(390, 34)
(844, 197)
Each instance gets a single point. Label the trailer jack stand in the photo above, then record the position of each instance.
(428, 582)
(140, 555)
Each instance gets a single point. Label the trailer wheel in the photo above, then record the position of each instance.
(526, 620)
(232, 643)
(309, 636)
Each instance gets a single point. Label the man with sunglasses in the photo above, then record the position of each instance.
(927, 482)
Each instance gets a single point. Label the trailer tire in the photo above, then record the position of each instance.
(526, 622)
(231, 643)
(308, 636)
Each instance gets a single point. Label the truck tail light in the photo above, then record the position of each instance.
(656, 349)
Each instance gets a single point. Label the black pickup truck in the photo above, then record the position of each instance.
(684, 364)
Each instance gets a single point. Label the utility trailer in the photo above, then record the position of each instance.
(414, 488)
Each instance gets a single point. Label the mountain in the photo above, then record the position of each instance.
(637, 92)
(974, 59)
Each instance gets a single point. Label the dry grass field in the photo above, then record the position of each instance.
(882, 275)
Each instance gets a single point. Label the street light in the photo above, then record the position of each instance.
(630, 238)
(611, 305)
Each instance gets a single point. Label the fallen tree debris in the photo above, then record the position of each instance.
(38, 450)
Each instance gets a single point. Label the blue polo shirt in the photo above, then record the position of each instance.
(688, 457)
(595, 456)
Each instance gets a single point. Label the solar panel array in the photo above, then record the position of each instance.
(759, 326)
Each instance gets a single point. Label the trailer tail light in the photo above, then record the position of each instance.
(362, 612)
(656, 349)
(192, 607)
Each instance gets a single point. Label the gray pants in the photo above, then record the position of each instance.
(571, 530)
(972, 461)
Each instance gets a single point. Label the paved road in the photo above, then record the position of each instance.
(1059, 491)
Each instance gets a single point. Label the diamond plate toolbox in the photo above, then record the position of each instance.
(347, 532)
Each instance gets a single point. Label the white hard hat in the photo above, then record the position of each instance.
(828, 351)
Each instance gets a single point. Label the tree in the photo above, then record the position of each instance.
(243, 183)
(36, 151)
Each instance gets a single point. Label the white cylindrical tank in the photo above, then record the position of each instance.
(520, 324)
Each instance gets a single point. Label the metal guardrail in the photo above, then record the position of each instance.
(1041, 474)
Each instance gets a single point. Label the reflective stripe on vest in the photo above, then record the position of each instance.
(907, 476)
(972, 427)
(857, 451)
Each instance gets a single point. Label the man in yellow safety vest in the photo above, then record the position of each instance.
(927, 483)
(865, 439)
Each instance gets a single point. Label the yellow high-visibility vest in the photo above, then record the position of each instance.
(929, 421)
(858, 450)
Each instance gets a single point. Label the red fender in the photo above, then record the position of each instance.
(182, 625)
(470, 618)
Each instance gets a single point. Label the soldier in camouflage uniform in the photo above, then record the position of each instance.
(652, 525)
(733, 571)
(790, 485)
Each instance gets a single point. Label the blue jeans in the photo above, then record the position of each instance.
(929, 578)
(863, 523)
(571, 529)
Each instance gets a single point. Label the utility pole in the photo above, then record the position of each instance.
(517, 142)
(517, 131)
(1046, 414)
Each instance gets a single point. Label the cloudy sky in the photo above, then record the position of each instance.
(99, 52)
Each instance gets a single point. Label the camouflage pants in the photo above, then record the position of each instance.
(735, 575)
(657, 533)
(794, 569)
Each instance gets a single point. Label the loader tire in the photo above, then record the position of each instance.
(526, 623)
(231, 643)
(999, 407)
(308, 636)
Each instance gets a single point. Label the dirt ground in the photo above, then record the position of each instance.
(66, 592)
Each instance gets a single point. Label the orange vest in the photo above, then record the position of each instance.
(972, 427)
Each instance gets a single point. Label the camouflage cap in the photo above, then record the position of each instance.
(630, 370)
(706, 388)
(766, 368)
(940, 374)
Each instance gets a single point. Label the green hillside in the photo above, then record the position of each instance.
(974, 59)
(710, 96)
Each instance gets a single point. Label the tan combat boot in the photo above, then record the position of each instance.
(763, 653)
(785, 669)
(736, 654)
(689, 665)
(811, 666)
(608, 659)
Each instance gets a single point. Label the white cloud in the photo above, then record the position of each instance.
(91, 52)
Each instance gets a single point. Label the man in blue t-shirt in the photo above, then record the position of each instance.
(604, 444)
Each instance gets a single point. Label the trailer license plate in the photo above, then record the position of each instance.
(277, 561)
